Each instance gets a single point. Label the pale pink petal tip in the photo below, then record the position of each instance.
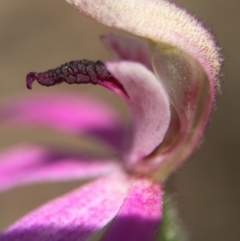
(140, 216)
(27, 165)
(75, 216)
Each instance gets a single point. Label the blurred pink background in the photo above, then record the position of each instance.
(37, 35)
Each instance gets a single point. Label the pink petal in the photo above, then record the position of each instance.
(185, 59)
(149, 106)
(75, 216)
(127, 49)
(31, 164)
(67, 113)
(159, 20)
(140, 215)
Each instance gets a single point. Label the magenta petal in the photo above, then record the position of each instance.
(67, 113)
(149, 106)
(140, 215)
(127, 49)
(75, 216)
(29, 164)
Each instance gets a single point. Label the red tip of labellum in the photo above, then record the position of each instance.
(31, 77)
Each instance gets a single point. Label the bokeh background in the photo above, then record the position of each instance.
(40, 34)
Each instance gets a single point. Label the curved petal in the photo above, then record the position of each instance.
(67, 113)
(31, 164)
(185, 59)
(140, 216)
(75, 216)
(159, 20)
(149, 106)
(127, 49)
(191, 96)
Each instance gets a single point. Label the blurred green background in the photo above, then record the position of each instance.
(36, 35)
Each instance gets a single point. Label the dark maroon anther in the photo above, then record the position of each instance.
(101, 71)
(76, 72)
(31, 77)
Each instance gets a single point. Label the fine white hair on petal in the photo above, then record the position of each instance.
(185, 60)
(160, 21)
(77, 215)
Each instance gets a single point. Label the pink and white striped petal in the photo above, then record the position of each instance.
(127, 49)
(27, 165)
(67, 113)
(75, 216)
(140, 215)
(148, 105)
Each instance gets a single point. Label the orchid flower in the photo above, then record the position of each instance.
(169, 89)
